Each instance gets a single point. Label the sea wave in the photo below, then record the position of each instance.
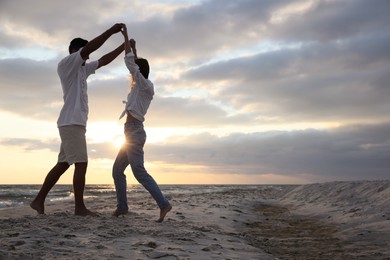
(19, 195)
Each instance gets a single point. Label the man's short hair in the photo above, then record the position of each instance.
(76, 44)
(143, 65)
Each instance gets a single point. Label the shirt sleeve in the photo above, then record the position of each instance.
(70, 64)
(91, 67)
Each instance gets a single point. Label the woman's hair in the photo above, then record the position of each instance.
(143, 65)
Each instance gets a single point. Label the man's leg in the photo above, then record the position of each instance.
(50, 180)
(80, 171)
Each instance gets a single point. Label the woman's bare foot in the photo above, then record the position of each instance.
(39, 207)
(163, 212)
(117, 213)
(85, 212)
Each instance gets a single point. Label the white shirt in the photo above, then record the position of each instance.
(73, 76)
(140, 96)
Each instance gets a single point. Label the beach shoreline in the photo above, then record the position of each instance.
(339, 220)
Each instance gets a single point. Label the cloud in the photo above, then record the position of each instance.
(29, 88)
(344, 153)
(31, 144)
(200, 30)
(341, 79)
(222, 65)
(334, 81)
(105, 100)
(32, 89)
(353, 152)
(185, 112)
(332, 20)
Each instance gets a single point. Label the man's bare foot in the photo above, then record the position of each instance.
(40, 208)
(85, 212)
(117, 213)
(163, 212)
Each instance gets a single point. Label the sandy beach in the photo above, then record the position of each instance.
(337, 220)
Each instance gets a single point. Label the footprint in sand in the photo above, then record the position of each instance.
(212, 247)
(157, 254)
(180, 215)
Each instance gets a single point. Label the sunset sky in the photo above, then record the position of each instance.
(247, 91)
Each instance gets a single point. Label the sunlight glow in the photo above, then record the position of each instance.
(100, 132)
(118, 142)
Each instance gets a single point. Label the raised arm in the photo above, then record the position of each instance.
(132, 45)
(109, 57)
(126, 43)
(129, 45)
(97, 42)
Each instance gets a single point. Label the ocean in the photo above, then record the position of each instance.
(20, 195)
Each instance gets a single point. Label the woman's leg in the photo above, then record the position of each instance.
(118, 173)
(148, 182)
(136, 138)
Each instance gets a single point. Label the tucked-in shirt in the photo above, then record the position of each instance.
(73, 75)
(140, 96)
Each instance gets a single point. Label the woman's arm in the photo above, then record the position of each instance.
(109, 57)
(97, 42)
(127, 44)
(132, 45)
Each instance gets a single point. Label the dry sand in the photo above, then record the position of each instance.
(338, 220)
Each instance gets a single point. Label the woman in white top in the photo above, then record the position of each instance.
(138, 101)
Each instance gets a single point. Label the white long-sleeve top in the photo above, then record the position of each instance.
(140, 95)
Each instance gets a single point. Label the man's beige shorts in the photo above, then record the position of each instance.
(73, 144)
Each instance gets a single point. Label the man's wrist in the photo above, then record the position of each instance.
(110, 31)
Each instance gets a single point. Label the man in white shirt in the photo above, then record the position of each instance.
(73, 72)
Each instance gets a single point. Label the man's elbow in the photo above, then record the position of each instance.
(101, 63)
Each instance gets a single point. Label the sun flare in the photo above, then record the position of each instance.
(105, 132)
(118, 142)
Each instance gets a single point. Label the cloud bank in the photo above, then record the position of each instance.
(262, 66)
